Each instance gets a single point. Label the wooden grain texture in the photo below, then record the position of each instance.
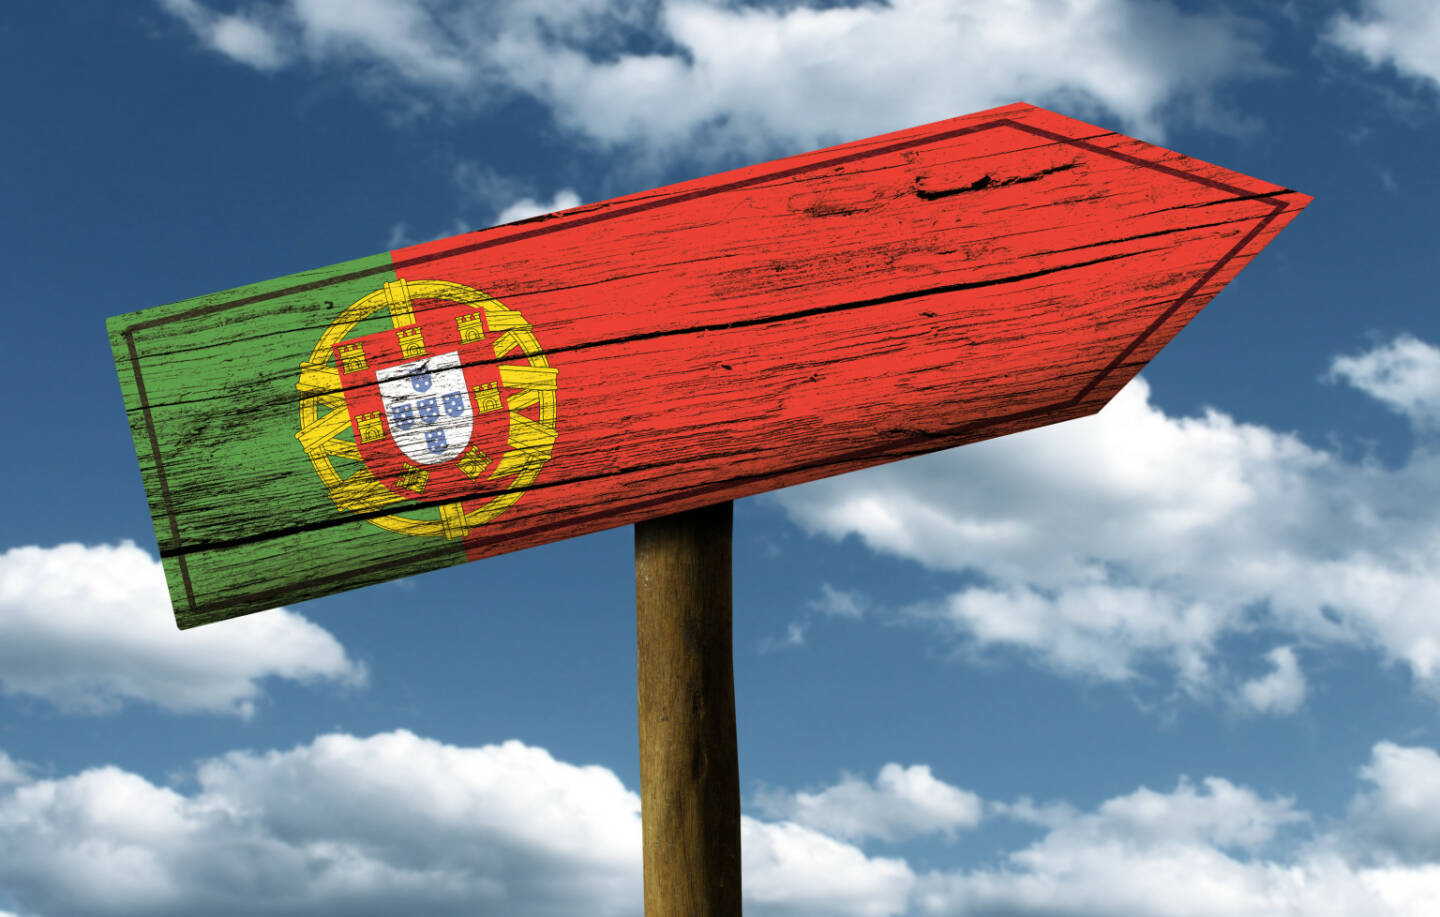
(674, 348)
(689, 766)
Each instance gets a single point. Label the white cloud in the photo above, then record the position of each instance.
(236, 36)
(1280, 691)
(1404, 375)
(1399, 816)
(385, 825)
(1072, 876)
(389, 824)
(407, 37)
(1223, 815)
(397, 823)
(715, 77)
(902, 803)
(1100, 629)
(831, 603)
(1402, 33)
(1135, 537)
(11, 771)
(789, 869)
(528, 207)
(502, 198)
(90, 629)
(1186, 853)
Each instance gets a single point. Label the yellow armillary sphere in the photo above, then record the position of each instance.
(326, 418)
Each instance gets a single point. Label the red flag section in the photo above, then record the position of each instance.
(850, 306)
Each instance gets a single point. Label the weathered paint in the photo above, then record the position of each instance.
(671, 349)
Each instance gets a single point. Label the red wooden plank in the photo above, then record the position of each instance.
(850, 306)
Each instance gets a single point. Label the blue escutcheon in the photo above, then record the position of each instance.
(402, 417)
(435, 441)
(421, 382)
(454, 403)
(429, 409)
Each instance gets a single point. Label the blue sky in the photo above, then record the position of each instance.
(1180, 658)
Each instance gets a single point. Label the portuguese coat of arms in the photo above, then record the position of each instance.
(451, 408)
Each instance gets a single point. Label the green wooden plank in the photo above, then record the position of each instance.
(210, 389)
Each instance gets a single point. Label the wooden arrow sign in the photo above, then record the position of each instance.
(667, 350)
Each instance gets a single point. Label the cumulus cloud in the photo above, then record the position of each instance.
(1134, 538)
(1198, 850)
(902, 803)
(1221, 815)
(11, 771)
(1403, 375)
(386, 825)
(1073, 873)
(528, 207)
(397, 823)
(710, 76)
(1280, 691)
(789, 870)
(1404, 34)
(389, 824)
(90, 629)
(1396, 818)
(1074, 630)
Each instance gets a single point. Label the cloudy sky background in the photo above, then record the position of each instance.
(1180, 658)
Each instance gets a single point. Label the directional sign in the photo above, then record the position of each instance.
(666, 350)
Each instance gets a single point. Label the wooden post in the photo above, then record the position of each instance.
(689, 765)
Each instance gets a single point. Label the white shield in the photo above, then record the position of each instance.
(427, 407)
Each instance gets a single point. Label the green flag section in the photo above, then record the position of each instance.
(205, 382)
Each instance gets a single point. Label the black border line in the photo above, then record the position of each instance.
(159, 468)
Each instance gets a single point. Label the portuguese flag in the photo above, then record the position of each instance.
(665, 350)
